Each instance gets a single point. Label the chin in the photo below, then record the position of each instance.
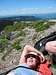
(31, 65)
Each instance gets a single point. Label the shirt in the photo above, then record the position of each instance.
(23, 71)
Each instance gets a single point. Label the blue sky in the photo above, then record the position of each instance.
(17, 7)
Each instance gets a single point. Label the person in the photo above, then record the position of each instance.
(30, 58)
(51, 46)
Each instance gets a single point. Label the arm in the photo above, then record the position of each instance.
(51, 46)
(28, 48)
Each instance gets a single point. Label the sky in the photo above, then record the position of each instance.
(19, 7)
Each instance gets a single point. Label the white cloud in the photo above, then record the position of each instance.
(35, 10)
(19, 11)
(27, 10)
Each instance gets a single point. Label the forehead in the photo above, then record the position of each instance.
(31, 55)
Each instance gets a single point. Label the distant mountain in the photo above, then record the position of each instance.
(29, 17)
(19, 18)
(46, 16)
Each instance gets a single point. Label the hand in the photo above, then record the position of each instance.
(42, 58)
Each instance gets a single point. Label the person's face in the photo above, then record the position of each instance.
(31, 61)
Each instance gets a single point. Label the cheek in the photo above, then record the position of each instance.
(34, 60)
(28, 59)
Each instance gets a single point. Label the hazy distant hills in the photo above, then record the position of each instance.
(14, 18)
(46, 16)
(29, 17)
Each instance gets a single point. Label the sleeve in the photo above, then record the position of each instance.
(11, 73)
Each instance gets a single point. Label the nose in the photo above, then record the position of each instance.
(31, 57)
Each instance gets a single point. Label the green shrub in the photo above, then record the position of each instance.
(53, 66)
(3, 44)
(16, 45)
(51, 23)
(22, 33)
(9, 28)
(40, 26)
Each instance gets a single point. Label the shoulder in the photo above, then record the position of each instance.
(11, 73)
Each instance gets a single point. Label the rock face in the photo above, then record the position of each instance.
(12, 59)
